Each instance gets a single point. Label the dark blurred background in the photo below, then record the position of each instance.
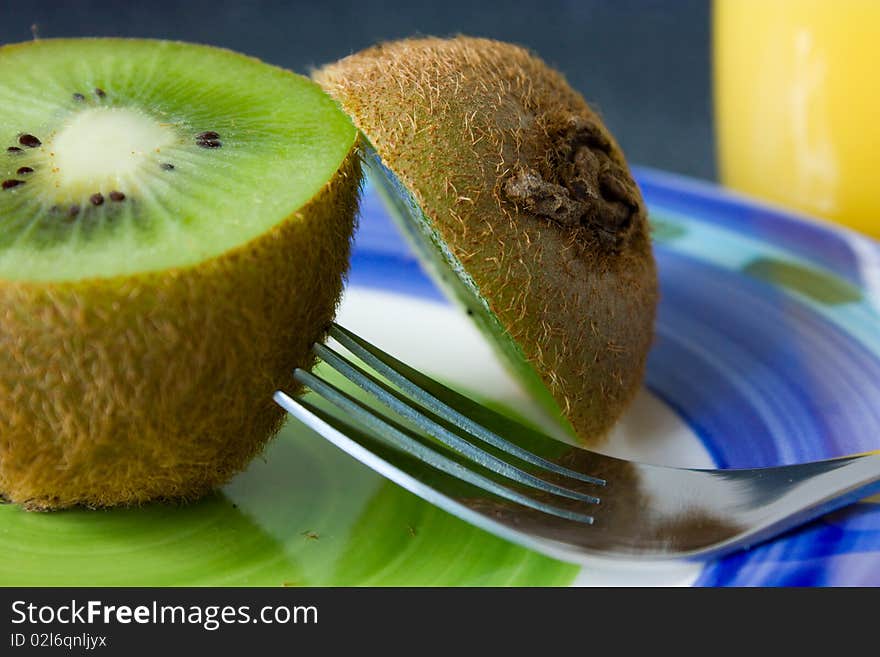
(644, 64)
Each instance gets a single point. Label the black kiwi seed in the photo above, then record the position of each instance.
(167, 166)
(14, 149)
(208, 139)
(117, 196)
(9, 184)
(24, 170)
(79, 98)
(97, 199)
(30, 141)
(72, 211)
(100, 93)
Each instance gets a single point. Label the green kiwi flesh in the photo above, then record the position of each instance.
(522, 203)
(205, 149)
(175, 223)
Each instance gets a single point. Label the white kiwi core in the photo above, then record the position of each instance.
(103, 149)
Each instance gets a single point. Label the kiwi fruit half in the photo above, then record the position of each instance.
(175, 223)
(516, 193)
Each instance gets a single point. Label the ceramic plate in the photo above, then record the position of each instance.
(767, 352)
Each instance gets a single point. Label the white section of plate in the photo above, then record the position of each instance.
(440, 340)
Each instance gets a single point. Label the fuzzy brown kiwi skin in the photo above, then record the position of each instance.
(532, 195)
(159, 385)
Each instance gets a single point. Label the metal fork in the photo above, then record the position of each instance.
(564, 501)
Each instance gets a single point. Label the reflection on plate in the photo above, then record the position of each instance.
(767, 352)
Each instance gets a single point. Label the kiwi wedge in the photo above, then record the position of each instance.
(175, 223)
(522, 202)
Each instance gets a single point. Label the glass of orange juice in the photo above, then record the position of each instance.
(797, 102)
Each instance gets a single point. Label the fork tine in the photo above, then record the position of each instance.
(423, 419)
(401, 438)
(444, 402)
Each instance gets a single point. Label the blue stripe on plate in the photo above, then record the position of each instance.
(829, 246)
(836, 551)
(747, 366)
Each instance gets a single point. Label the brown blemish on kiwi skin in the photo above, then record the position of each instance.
(531, 194)
(580, 185)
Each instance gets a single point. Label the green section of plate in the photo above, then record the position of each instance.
(305, 514)
(821, 286)
(666, 231)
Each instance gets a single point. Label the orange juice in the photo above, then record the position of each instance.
(797, 102)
